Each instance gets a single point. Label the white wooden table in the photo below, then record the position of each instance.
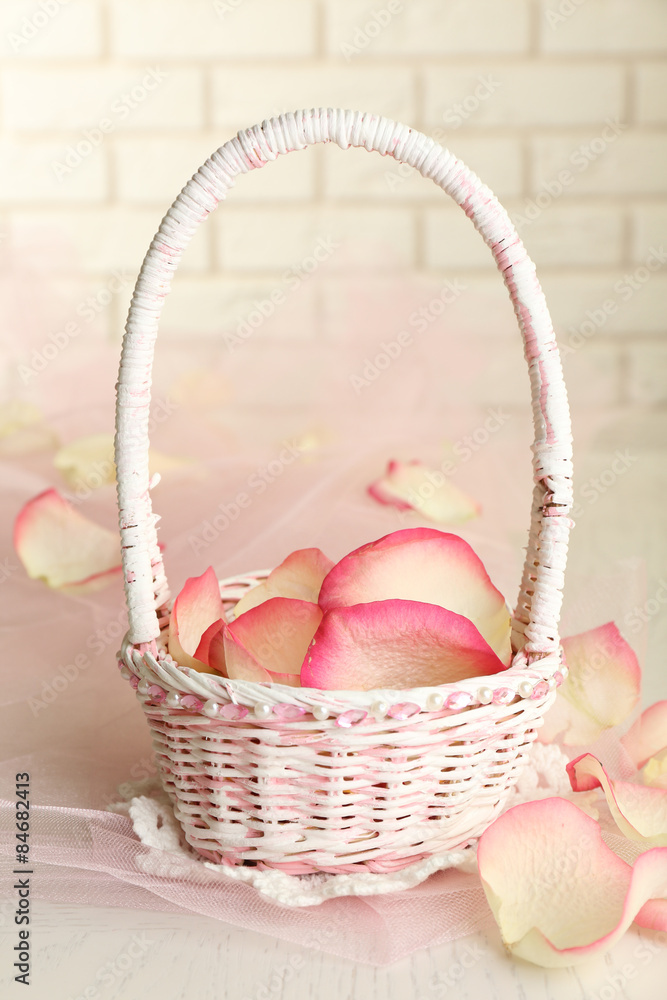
(113, 954)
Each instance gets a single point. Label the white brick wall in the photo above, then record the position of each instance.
(522, 90)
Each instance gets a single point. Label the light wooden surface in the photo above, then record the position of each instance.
(137, 955)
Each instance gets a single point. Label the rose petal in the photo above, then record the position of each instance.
(654, 771)
(427, 565)
(23, 430)
(601, 690)
(647, 735)
(653, 915)
(558, 893)
(57, 544)
(395, 644)
(88, 462)
(242, 665)
(277, 633)
(195, 609)
(299, 576)
(203, 650)
(291, 680)
(639, 812)
(413, 486)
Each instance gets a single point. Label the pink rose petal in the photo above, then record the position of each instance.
(558, 893)
(639, 812)
(647, 735)
(395, 644)
(210, 651)
(277, 633)
(242, 665)
(413, 486)
(195, 609)
(299, 576)
(60, 546)
(601, 690)
(426, 565)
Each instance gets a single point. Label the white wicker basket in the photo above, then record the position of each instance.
(307, 780)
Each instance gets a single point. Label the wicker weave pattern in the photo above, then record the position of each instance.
(309, 794)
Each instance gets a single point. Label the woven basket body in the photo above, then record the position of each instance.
(307, 780)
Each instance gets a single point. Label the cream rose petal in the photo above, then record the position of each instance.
(211, 647)
(640, 812)
(647, 735)
(395, 644)
(601, 689)
(88, 462)
(558, 893)
(195, 609)
(60, 546)
(277, 633)
(413, 486)
(426, 565)
(299, 577)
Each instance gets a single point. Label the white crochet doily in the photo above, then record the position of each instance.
(155, 825)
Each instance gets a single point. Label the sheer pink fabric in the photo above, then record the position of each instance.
(70, 721)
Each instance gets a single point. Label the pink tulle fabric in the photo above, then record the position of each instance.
(74, 725)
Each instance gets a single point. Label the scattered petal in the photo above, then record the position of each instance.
(88, 462)
(426, 565)
(23, 430)
(601, 690)
(558, 893)
(639, 812)
(413, 486)
(654, 771)
(647, 735)
(60, 546)
(277, 633)
(196, 608)
(395, 644)
(299, 577)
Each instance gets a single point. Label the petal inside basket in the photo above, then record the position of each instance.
(426, 565)
(395, 644)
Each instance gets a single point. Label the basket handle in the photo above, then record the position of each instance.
(535, 621)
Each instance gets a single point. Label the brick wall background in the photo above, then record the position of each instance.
(522, 90)
(108, 106)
